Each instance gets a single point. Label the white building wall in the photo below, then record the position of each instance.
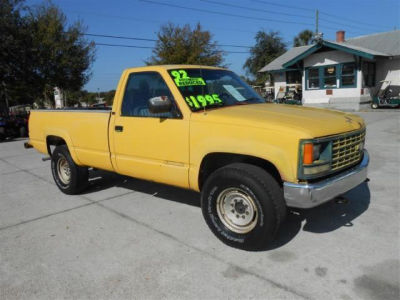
(324, 59)
(388, 69)
(279, 81)
(327, 58)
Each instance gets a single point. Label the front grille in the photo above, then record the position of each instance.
(346, 150)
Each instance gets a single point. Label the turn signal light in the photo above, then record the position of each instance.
(308, 154)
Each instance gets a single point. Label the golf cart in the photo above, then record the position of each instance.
(387, 96)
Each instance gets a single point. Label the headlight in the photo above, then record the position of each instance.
(315, 158)
(316, 151)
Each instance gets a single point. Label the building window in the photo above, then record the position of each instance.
(348, 75)
(330, 78)
(368, 70)
(293, 77)
(313, 78)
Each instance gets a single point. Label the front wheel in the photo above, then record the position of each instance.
(69, 177)
(243, 205)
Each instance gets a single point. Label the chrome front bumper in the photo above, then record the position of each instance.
(314, 194)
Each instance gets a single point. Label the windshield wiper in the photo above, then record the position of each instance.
(210, 106)
(247, 101)
(252, 99)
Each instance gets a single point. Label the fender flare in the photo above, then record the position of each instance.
(65, 136)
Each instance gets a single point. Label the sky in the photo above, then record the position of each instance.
(232, 22)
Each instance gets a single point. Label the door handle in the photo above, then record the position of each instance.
(119, 128)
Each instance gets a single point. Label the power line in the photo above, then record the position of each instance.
(234, 15)
(347, 25)
(335, 29)
(150, 20)
(321, 12)
(255, 9)
(147, 47)
(152, 40)
(223, 13)
(125, 46)
(284, 5)
(279, 13)
(214, 12)
(349, 20)
(120, 37)
(234, 46)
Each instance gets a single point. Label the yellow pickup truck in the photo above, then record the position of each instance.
(203, 128)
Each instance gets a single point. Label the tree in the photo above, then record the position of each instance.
(39, 51)
(247, 80)
(304, 38)
(184, 45)
(15, 51)
(88, 97)
(63, 56)
(268, 47)
(109, 97)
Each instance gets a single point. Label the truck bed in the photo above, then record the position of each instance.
(87, 128)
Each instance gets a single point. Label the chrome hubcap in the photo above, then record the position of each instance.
(63, 170)
(237, 210)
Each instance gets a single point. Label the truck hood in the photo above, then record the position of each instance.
(307, 121)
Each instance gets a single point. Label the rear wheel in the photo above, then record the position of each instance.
(243, 205)
(69, 177)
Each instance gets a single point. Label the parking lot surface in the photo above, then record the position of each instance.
(127, 238)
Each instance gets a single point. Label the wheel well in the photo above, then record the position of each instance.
(214, 161)
(53, 140)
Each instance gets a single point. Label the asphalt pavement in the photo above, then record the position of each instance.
(125, 238)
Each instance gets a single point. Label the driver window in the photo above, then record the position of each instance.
(139, 89)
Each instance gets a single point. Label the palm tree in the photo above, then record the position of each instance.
(304, 38)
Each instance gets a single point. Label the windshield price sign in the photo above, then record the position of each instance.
(182, 79)
(200, 101)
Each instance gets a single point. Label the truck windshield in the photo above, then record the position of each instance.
(207, 88)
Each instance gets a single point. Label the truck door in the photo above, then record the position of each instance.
(146, 145)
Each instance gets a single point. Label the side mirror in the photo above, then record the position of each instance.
(161, 104)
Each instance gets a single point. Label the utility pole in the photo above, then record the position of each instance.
(316, 22)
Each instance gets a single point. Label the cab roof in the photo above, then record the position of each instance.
(171, 67)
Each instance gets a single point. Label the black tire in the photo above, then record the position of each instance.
(261, 188)
(78, 176)
(23, 131)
